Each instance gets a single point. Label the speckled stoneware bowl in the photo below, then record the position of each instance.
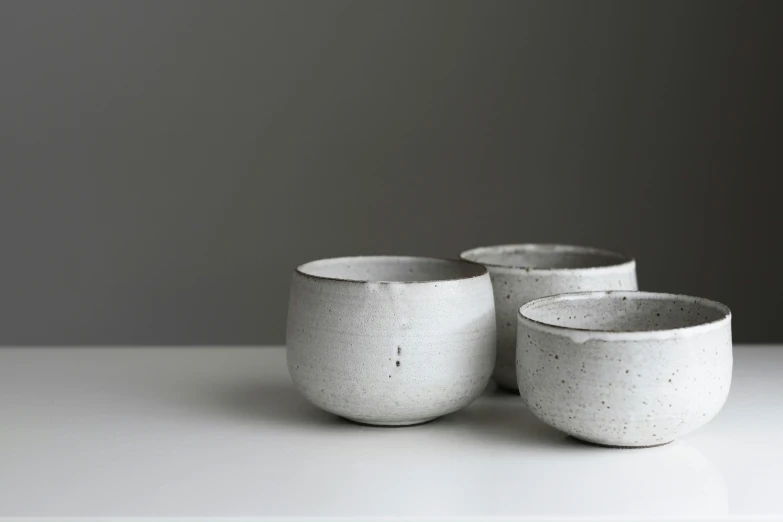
(627, 369)
(524, 272)
(391, 340)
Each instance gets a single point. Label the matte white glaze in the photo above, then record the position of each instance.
(524, 272)
(624, 368)
(391, 340)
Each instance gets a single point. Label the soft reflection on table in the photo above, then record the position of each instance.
(579, 478)
(220, 432)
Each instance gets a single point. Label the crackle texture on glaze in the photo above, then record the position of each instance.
(625, 369)
(521, 273)
(391, 340)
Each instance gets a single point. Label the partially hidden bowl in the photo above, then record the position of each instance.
(391, 340)
(524, 272)
(626, 369)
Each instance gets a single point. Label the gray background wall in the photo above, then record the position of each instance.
(165, 165)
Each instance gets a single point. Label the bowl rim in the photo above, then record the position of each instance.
(582, 334)
(481, 270)
(623, 260)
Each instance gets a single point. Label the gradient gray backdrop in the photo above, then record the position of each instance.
(164, 165)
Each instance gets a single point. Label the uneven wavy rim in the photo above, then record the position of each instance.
(582, 334)
(475, 269)
(622, 260)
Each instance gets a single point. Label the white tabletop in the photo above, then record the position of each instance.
(219, 432)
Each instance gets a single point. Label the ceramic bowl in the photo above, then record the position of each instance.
(521, 273)
(391, 340)
(627, 369)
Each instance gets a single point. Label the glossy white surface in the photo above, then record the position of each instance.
(220, 433)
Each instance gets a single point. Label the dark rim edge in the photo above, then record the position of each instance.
(622, 257)
(482, 269)
(662, 295)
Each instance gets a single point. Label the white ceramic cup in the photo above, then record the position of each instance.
(627, 369)
(521, 273)
(391, 340)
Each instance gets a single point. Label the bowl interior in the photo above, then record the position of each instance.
(391, 269)
(544, 256)
(624, 311)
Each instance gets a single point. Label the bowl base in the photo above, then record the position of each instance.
(391, 424)
(600, 445)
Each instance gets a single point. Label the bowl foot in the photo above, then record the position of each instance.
(391, 424)
(591, 443)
